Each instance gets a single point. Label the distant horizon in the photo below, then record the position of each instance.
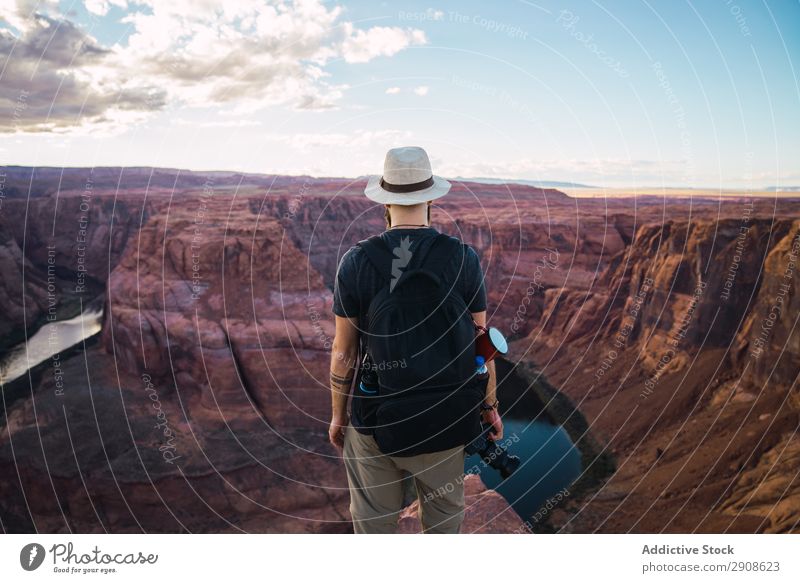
(554, 184)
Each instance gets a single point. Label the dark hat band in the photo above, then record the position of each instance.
(413, 187)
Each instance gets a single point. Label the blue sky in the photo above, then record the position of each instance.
(612, 94)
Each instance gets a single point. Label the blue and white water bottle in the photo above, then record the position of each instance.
(481, 366)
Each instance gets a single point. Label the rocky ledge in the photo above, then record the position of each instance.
(486, 512)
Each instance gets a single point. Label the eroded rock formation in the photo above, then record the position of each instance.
(203, 405)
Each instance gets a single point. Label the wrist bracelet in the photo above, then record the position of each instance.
(486, 407)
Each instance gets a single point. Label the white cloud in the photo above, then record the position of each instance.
(421, 90)
(373, 139)
(57, 77)
(19, 13)
(360, 46)
(251, 52)
(392, 91)
(98, 7)
(243, 54)
(225, 123)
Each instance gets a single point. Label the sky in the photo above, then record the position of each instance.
(618, 94)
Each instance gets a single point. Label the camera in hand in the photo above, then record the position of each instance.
(493, 453)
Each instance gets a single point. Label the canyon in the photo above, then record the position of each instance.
(661, 333)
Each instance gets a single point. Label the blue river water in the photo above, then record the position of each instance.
(549, 462)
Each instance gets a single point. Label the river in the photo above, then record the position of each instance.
(49, 341)
(549, 462)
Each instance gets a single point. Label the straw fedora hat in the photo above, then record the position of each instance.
(407, 179)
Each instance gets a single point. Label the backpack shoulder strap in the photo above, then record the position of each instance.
(441, 253)
(379, 255)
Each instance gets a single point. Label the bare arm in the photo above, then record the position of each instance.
(491, 417)
(491, 386)
(343, 362)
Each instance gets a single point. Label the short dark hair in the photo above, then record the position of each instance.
(388, 217)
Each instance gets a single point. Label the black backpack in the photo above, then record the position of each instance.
(420, 341)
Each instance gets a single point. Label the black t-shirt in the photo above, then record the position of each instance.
(357, 281)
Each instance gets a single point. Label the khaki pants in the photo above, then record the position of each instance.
(376, 488)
